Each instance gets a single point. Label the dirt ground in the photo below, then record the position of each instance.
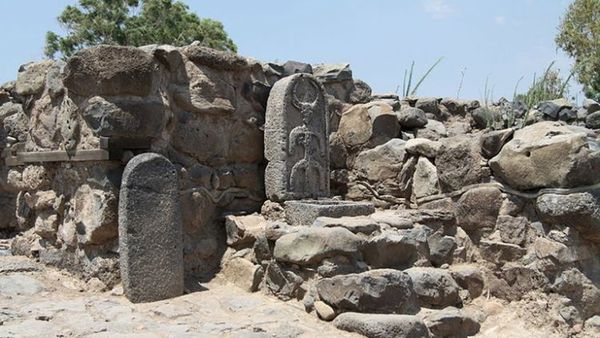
(39, 301)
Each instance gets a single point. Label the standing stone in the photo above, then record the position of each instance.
(150, 230)
(296, 142)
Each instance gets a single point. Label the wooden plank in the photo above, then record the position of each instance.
(63, 156)
(118, 143)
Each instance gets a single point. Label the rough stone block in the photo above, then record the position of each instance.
(306, 212)
(150, 230)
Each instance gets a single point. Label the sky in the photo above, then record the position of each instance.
(498, 41)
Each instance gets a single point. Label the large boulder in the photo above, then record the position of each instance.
(435, 288)
(580, 211)
(375, 291)
(382, 162)
(110, 70)
(477, 209)
(311, 245)
(548, 155)
(382, 325)
(374, 122)
(459, 163)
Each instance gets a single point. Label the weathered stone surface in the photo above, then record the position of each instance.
(96, 220)
(31, 78)
(294, 67)
(324, 311)
(512, 230)
(373, 123)
(296, 140)
(552, 108)
(499, 253)
(110, 70)
(433, 130)
(284, 284)
(361, 92)
(244, 230)
(548, 155)
(578, 210)
(382, 325)
(425, 180)
(125, 117)
(356, 224)
(391, 250)
(375, 291)
(382, 162)
(592, 121)
(423, 147)
(450, 322)
(311, 245)
(435, 288)
(459, 163)
(468, 277)
(305, 212)
(392, 219)
(150, 230)
(493, 141)
(12, 264)
(430, 105)
(243, 273)
(411, 117)
(220, 60)
(478, 208)
(441, 249)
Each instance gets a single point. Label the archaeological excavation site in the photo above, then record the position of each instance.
(164, 191)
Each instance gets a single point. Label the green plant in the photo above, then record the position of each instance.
(579, 36)
(135, 23)
(407, 89)
(550, 87)
(460, 84)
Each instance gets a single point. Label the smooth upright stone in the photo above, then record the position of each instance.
(150, 230)
(296, 140)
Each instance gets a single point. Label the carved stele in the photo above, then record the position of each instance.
(296, 140)
(150, 230)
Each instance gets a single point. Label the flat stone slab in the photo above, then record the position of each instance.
(19, 285)
(150, 230)
(305, 212)
(9, 264)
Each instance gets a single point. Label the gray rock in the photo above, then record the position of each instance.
(375, 291)
(429, 105)
(477, 209)
(499, 252)
(305, 212)
(554, 107)
(468, 277)
(17, 125)
(216, 59)
(530, 159)
(284, 284)
(579, 210)
(433, 130)
(425, 180)
(129, 118)
(295, 67)
(31, 78)
(391, 250)
(368, 125)
(12, 264)
(311, 245)
(411, 117)
(382, 325)
(244, 230)
(243, 274)
(296, 143)
(512, 230)
(441, 249)
(392, 219)
(382, 162)
(150, 230)
(423, 147)
(332, 72)
(324, 311)
(361, 92)
(592, 120)
(450, 322)
(493, 141)
(110, 70)
(435, 288)
(459, 163)
(356, 224)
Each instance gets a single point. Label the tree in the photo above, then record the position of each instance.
(579, 37)
(134, 23)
